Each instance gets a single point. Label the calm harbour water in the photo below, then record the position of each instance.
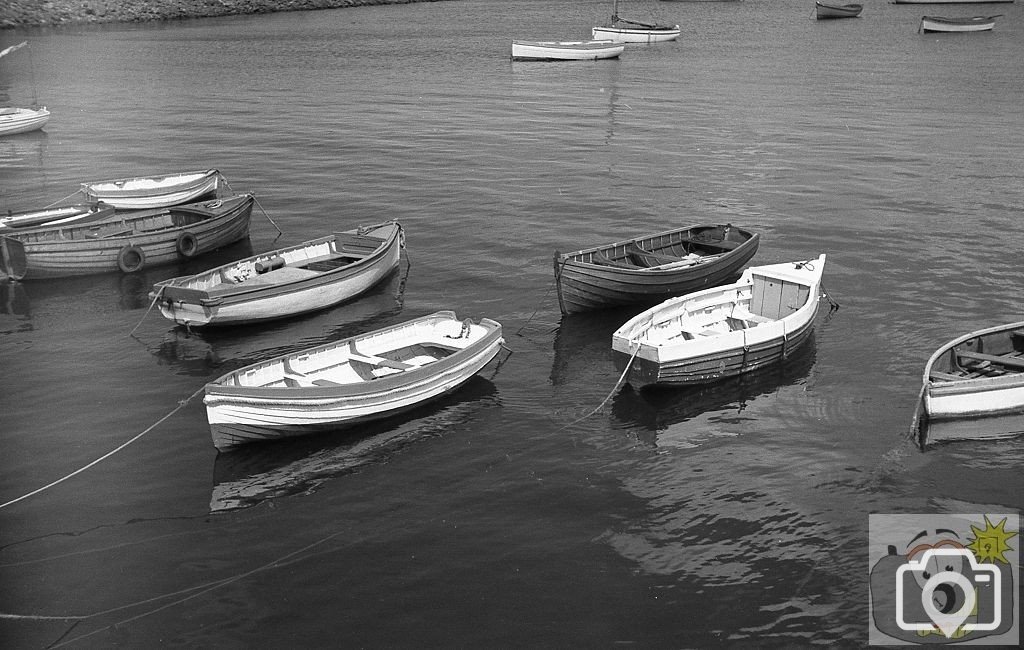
(733, 515)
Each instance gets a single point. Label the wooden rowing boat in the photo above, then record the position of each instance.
(954, 25)
(725, 331)
(306, 277)
(565, 50)
(147, 192)
(974, 387)
(829, 11)
(365, 377)
(22, 120)
(621, 30)
(63, 215)
(127, 242)
(648, 269)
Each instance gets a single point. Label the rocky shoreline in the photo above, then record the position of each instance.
(50, 13)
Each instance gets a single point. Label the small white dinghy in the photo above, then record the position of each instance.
(147, 192)
(59, 216)
(22, 120)
(725, 331)
(565, 50)
(365, 377)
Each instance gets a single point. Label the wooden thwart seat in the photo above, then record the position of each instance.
(1009, 362)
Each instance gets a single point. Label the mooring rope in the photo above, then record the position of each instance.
(202, 589)
(104, 456)
(155, 298)
(615, 389)
(59, 201)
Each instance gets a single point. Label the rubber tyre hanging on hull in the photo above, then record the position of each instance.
(187, 245)
(131, 259)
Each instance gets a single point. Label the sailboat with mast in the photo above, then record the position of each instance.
(621, 30)
(22, 120)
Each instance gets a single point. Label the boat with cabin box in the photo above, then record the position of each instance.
(565, 50)
(365, 377)
(127, 242)
(725, 331)
(313, 275)
(973, 387)
(647, 269)
(148, 192)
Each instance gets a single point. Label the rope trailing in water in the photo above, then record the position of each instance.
(104, 456)
(155, 298)
(279, 231)
(541, 303)
(228, 185)
(618, 384)
(203, 589)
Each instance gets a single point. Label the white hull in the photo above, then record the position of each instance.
(565, 50)
(966, 398)
(154, 192)
(261, 402)
(636, 34)
(724, 331)
(209, 299)
(22, 120)
(957, 25)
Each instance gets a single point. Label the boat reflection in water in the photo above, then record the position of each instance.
(653, 413)
(252, 474)
(217, 351)
(15, 315)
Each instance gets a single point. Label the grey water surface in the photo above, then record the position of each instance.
(515, 512)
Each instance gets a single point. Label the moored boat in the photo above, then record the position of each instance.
(313, 275)
(621, 30)
(829, 10)
(148, 192)
(67, 214)
(127, 242)
(22, 120)
(365, 377)
(725, 331)
(973, 387)
(953, 25)
(565, 50)
(647, 269)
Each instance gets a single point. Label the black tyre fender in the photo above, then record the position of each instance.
(187, 245)
(131, 258)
